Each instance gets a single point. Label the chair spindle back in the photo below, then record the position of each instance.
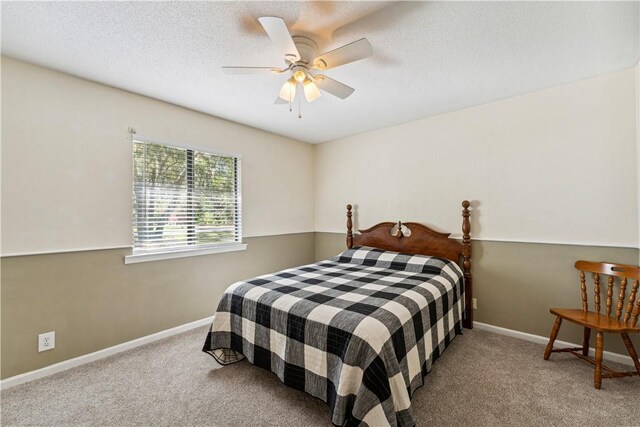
(626, 273)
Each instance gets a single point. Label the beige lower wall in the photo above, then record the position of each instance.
(92, 300)
(516, 283)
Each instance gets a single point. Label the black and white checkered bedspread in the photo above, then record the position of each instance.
(359, 331)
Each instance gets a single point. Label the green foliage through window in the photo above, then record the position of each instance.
(183, 198)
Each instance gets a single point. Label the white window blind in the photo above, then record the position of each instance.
(183, 198)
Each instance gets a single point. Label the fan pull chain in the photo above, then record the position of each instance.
(300, 106)
(290, 100)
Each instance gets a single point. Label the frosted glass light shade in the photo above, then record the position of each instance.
(311, 91)
(299, 75)
(288, 90)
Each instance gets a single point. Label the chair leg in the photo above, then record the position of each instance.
(552, 337)
(631, 350)
(597, 379)
(585, 341)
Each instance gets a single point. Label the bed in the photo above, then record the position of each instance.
(361, 330)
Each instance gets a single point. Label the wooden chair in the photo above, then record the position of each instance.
(609, 321)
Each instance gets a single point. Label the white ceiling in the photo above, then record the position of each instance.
(429, 57)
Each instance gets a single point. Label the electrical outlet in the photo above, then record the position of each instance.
(475, 303)
(46, 341)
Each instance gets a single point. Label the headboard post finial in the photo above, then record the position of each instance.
(349, 228)
(466, 264)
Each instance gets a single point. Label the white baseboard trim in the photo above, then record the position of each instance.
(100, 354)
(607, 355)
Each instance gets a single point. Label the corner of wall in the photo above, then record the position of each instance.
(316, 149)
(638, 149)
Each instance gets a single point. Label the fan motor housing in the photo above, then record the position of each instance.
(307, 48)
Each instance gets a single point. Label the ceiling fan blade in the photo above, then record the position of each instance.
(334, 87)
(279, 101)
(252, 70)
(351, 52)
(279, 34)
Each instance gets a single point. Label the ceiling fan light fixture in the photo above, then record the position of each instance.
(301, 58)
(311, 91)
(288, 90)
(299, 74)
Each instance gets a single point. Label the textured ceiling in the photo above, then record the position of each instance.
(429, 57)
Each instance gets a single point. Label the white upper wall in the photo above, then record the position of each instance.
(558, 165)
(67, 162)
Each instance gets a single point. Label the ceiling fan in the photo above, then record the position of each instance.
(301, 56)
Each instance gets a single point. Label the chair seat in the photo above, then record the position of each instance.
(593, 320)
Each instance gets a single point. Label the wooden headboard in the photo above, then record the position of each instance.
(422, 240)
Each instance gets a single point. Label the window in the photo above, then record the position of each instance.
(183, 199)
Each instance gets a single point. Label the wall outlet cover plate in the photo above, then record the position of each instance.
(46, 341)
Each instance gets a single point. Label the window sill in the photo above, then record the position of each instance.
(157, 256)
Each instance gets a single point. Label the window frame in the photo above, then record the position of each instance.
(196, 250)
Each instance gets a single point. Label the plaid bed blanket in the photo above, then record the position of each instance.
(359, 331)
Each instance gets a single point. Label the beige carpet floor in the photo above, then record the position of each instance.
(483, 379)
